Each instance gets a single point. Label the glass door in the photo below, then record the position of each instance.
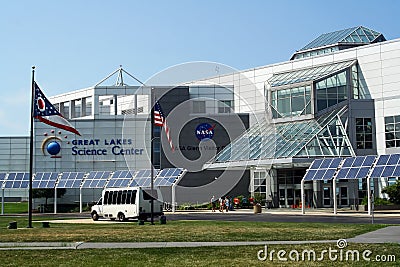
(327, 196)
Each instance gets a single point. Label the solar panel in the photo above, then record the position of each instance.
(387, 166)
(2, 178)
(96, 179)
(70, 180)
(120, 179)
(44, 180)
(167, 177)
(356, 167)
(322, 169)
(17, 180)
(143, 178)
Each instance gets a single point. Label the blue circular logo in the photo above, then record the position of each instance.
(53, 148)
(205, 131)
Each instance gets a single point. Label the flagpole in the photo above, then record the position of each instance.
(152, 156)
(31, 152)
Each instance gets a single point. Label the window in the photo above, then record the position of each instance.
(77, 108)
(199, 106)
(392, 131)
(364, 133)
(331, 90)
(131, 197)
(224, 106)
(106, 197)
(291, 102)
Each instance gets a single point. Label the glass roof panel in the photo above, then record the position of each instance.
(270, 141)
(358, 34)
(308, 74)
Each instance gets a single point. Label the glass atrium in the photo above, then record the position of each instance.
(339, 40)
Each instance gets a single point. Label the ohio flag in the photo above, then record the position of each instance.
(45, 112)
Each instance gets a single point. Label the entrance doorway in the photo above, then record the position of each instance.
(328, 200)
(343, 196)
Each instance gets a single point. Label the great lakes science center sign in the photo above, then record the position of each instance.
(103, 147)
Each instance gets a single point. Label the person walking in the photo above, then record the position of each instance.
(212, 203)
(227, 203)
(221, 204)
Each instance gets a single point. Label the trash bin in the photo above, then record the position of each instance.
(163, 219)
(12, 225)
(257, 208)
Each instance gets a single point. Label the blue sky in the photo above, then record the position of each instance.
(74, 44)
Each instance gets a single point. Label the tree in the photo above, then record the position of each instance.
(47, 193)
(393, 191)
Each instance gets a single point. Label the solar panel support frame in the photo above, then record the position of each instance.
(173, 193)
(2, 200)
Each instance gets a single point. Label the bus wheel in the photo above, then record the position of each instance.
(95, 216)
(121, 217)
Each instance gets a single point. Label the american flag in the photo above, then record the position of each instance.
(160, 120)
(45, 112)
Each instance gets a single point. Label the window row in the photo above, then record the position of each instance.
(120, 197)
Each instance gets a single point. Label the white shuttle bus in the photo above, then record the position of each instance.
(127, 203)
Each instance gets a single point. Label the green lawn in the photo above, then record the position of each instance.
(204, 256)
(15, 207)
(178, 231)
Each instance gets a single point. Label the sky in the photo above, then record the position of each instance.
(74, 44)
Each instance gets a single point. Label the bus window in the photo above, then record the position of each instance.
(110, 197)
(114, 199)
(106, 195)
(119, 197)
(128, 196)
(123, 200)
(133, 199)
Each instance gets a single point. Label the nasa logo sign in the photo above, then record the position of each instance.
(204, 131)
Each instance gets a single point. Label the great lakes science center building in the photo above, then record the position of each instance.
(334, 106)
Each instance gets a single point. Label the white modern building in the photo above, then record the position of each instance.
(335, 97)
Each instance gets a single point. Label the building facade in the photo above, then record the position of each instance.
(335, 97)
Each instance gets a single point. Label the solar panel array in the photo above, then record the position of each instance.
(44, 180)
(382, 166)
(143, 178)
(17, 180)
(96, 179)
(70, 180)
(387, 166)
(322, 169)
(120, 179)
(356, 167)
(167, 177)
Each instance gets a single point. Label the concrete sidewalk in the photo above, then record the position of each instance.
(309, 212)
(389, 234)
